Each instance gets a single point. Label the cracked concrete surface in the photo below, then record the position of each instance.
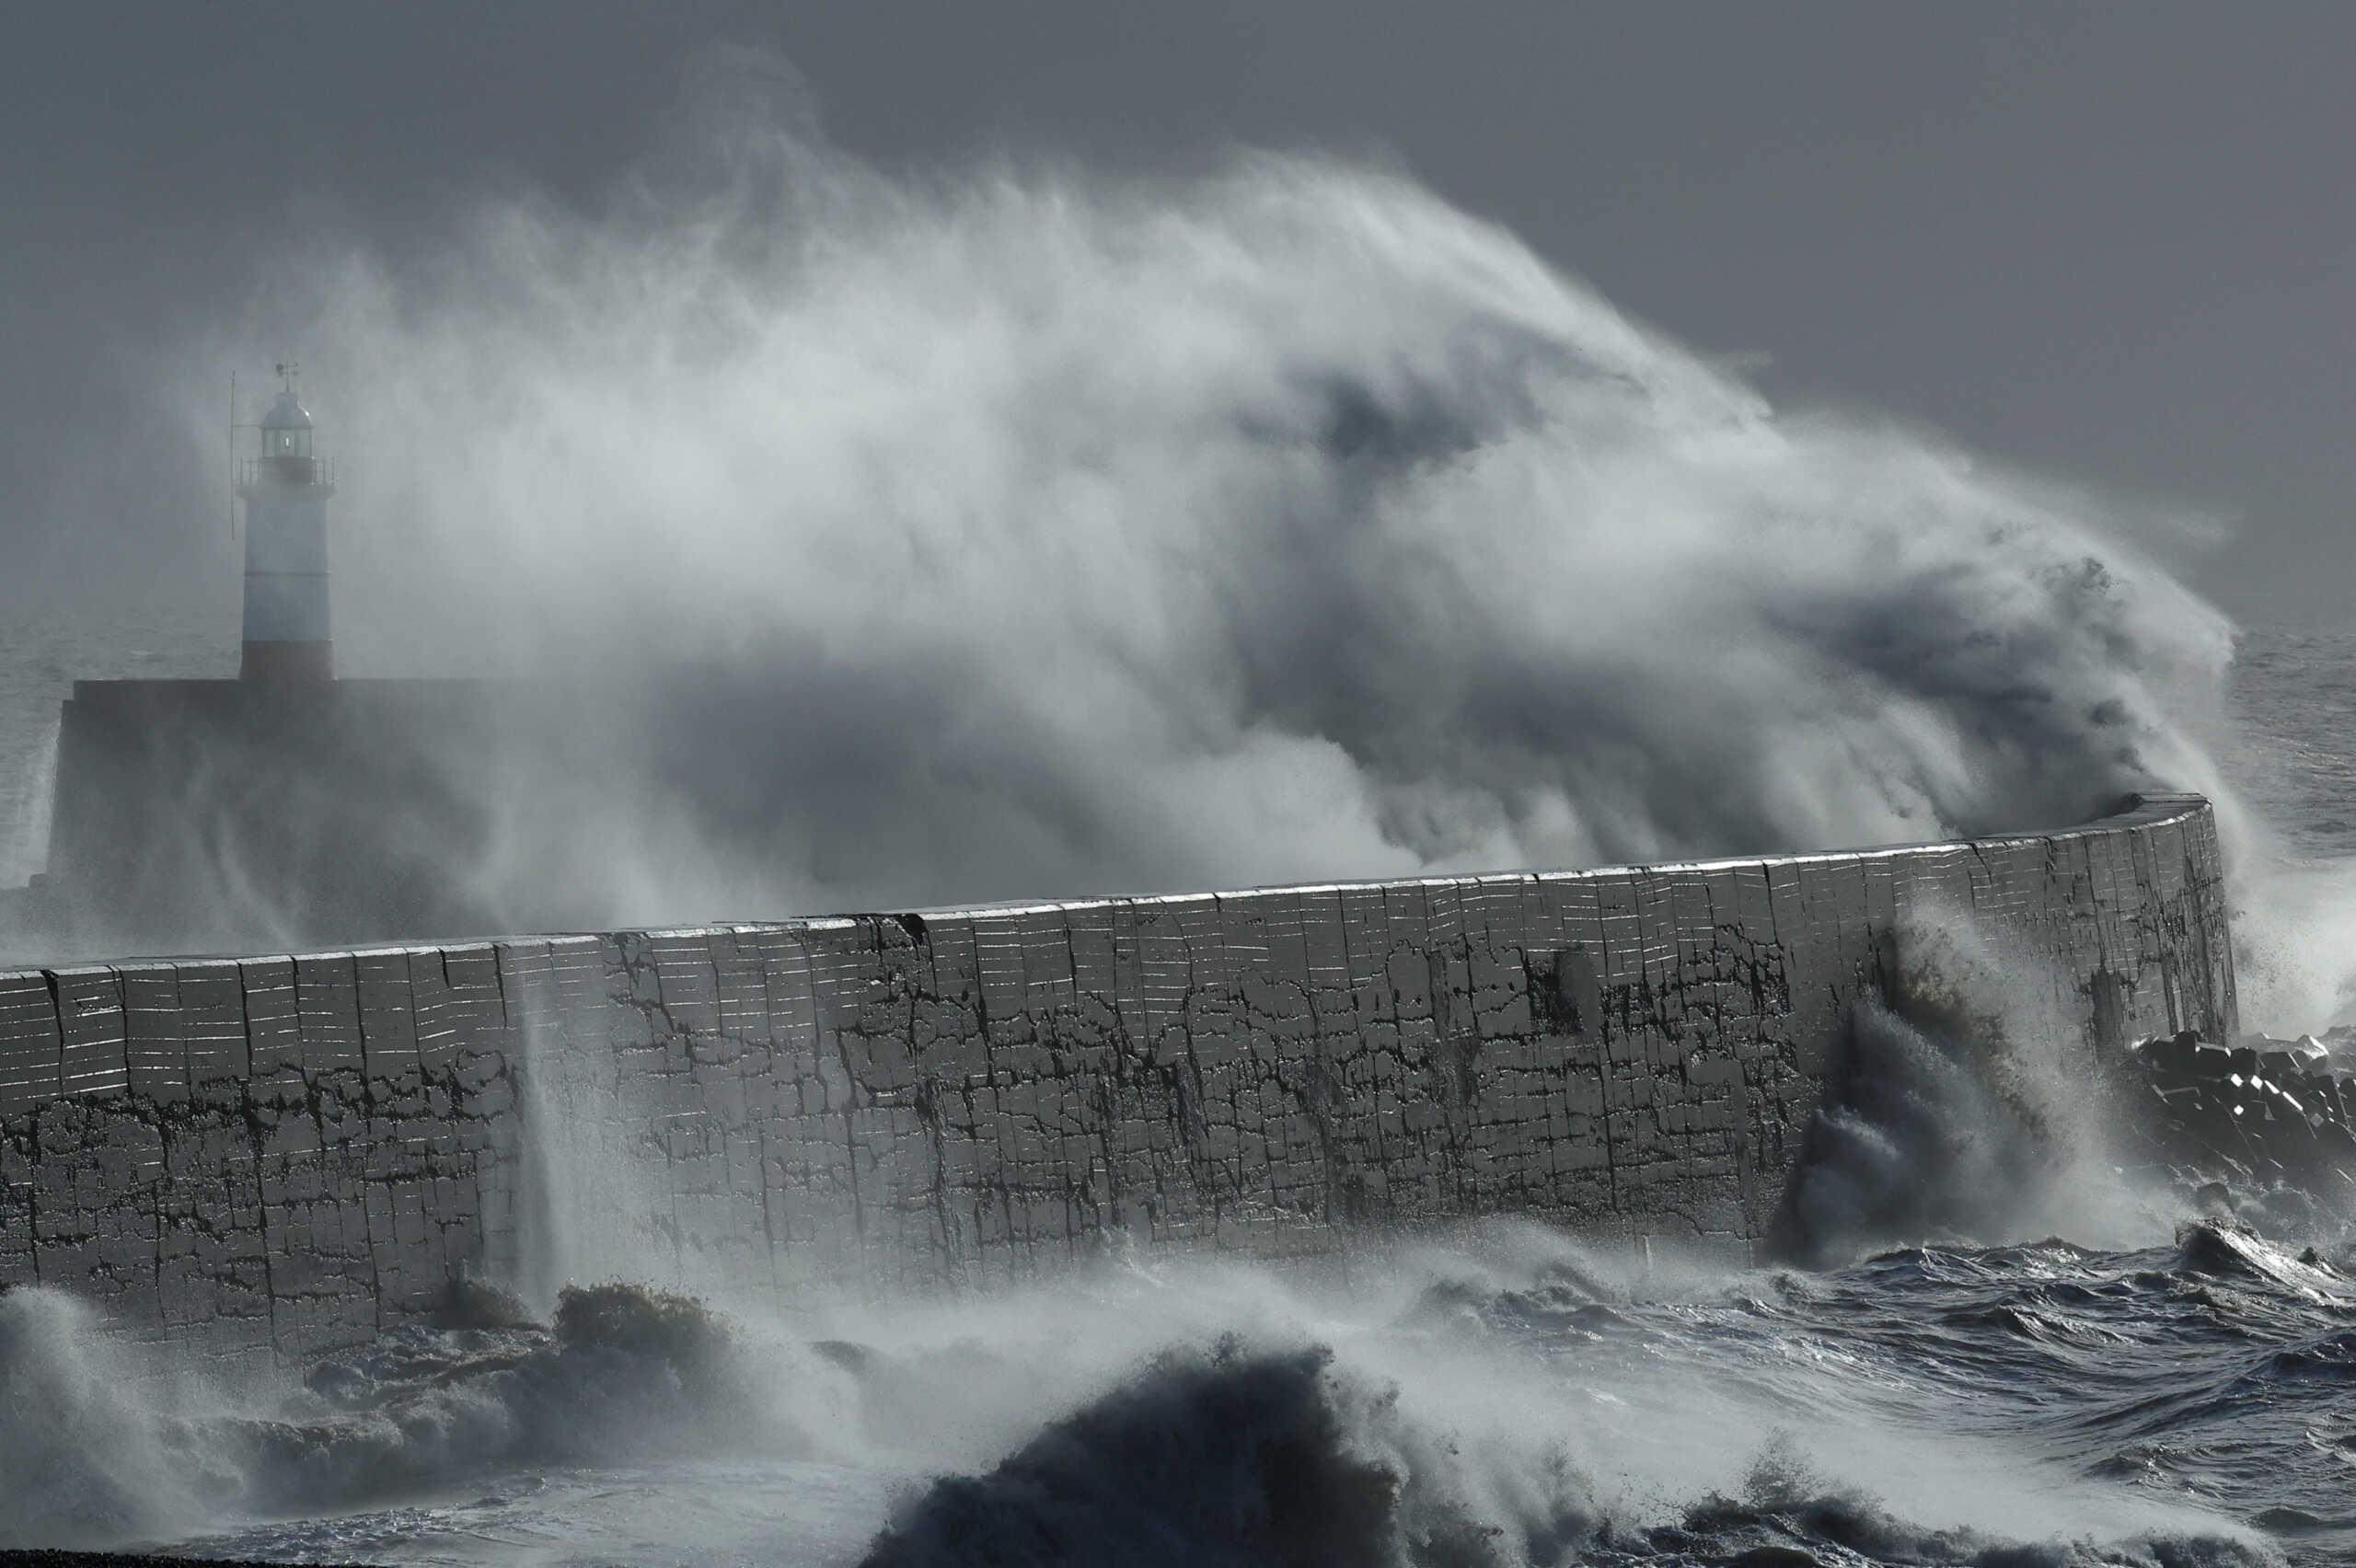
(280, 1155)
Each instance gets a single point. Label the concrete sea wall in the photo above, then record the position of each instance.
(281, 1155)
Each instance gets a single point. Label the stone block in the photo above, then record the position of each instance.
(687, 984)
(31, 1044)
(156, 1047)
(327, 1008)
(385, 1006)
(90, 1011)
(213, 1020)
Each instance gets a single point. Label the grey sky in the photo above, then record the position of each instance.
(2113, 242)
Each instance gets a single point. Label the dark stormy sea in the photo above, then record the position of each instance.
(2035, 1356)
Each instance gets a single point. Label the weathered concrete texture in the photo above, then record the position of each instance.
(297, 1150)
(280, 1152)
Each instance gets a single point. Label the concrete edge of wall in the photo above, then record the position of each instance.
(2139, 810)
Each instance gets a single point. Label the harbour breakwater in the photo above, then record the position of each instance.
(280, 1156)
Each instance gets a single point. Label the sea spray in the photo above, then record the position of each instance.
(90, 1456)
(1219, 1458)
(106, 1445)
(1970, 1102)
(24, 835)
(1018, 532)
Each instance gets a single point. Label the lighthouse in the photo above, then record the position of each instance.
(286, 489)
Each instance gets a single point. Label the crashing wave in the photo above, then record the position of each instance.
(98, 1454)
(1252, 1458)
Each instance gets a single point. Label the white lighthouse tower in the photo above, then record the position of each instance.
(286, 490)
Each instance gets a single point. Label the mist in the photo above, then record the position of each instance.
(1026, 531)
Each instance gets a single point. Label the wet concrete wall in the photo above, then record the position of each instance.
(287, 1154)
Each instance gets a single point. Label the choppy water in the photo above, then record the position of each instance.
(2294, 706)
(1508, 1400)
(2185, 1397)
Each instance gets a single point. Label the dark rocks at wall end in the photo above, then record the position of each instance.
(2269, 1110)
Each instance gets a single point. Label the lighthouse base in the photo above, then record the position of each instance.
(287, 662)
(208, 815)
